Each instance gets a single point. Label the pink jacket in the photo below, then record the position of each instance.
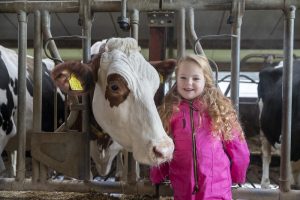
(218, 163)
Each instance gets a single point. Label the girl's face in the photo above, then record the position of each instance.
(190, 80)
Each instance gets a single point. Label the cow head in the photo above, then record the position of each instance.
(123, 101)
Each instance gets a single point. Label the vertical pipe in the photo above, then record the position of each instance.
(47, 34)
(21, 125)
(191, 30)
(284, 182)
(133, 169)
(181, 33)
(37, 91)
(235, 52)
(86, 44)
(135, 24)
(54, 53)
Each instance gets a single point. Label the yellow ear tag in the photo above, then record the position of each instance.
(75, 83)
(161, 78)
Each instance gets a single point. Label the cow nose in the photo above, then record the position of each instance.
(157, 153)
(163, 151)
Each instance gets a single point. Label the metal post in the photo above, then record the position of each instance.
(71, 6)
(86, 15)
(37, 91)
(133, 168)
(47, 34)
(287, 80)
(238, 8)
(21, 125)
(192, 37)
(54, 53)
(181, 33)
(134, 22)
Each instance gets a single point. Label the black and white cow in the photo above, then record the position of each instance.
(103, 149)
(8, 96)
(270, 103)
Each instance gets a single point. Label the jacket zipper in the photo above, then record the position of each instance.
(196, 187)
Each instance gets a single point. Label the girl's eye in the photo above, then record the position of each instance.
(182, 77)
(196, 79)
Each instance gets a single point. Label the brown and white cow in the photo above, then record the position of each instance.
(123, 85)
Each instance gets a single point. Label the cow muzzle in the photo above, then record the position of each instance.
(162, 151)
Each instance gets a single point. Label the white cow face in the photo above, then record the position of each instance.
(124, 107)
(124, 85)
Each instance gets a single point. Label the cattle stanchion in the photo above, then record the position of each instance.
(74, 6)
(238, 9)
(21, 126)
(284, 182)
(37, 99)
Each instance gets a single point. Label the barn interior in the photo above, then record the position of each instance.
(262, 35)
(261, 32)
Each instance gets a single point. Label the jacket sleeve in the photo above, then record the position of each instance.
(238, 152)
(159, 173)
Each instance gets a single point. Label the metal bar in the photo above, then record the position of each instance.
(133, 168)
(141, 187)
(37, 95)
(134, 23)
(223, 4)
(47, 34)
(192, 33)
(86, 46)
(37, 92)
(254, 193)
(21, 123)
(237, 14)
(181, 33)
(287, 81)
(82, 186)
(149, 5)
(54, 53)
(57, 6)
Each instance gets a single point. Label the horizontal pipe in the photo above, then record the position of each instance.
(264, 194)
(57, 6)
(227, 4)
(115, 6)
(255, 193)
(142, 188)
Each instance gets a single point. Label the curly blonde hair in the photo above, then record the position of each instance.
(220, 109)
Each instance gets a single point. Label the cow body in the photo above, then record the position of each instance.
(123, 86)
(270, 96)
(8, 96)
(102, 150)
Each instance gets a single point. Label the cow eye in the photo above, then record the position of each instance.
(114, 87)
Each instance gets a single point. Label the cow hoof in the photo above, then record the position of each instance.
(265, 185)
(98, 178)
(59, 177)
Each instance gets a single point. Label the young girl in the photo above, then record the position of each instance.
(210, 148)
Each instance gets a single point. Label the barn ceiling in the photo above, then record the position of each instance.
(260, 29)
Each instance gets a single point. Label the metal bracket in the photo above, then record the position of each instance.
(59, 151)
(161, 19)
(85, 4)
(237, 12)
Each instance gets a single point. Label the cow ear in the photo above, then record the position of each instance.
(164, 67)
(73, 77)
